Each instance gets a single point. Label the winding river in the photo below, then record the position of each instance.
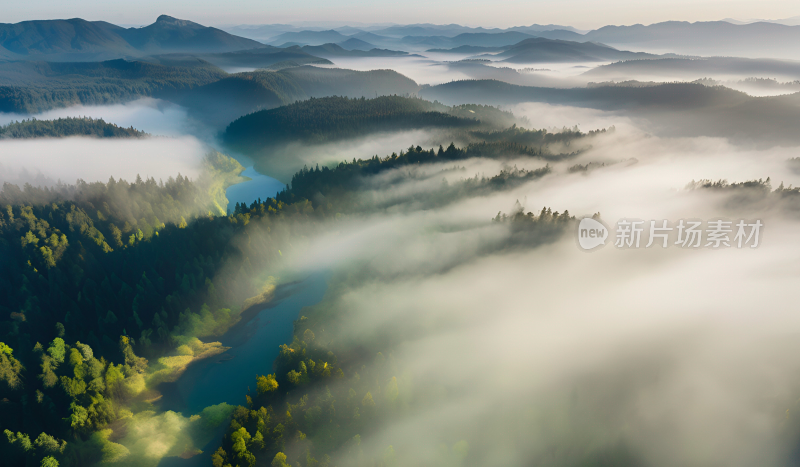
(254, 341)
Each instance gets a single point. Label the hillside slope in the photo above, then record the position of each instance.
(32, 87)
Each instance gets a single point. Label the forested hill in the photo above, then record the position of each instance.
(69, 126)
(31, 87)
(221, 102)
(319, 82)
(213, 94)
(67, 225)
(334, 118)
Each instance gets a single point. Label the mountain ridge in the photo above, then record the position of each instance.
(705, 38)
(76, 38)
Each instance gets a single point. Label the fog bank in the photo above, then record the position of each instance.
(552, 356)
(45, 161)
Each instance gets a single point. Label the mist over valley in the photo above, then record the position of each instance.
(357, 243)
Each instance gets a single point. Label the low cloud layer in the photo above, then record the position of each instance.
(153, 116)
(45, 161)
(554, 356)
(177, 145)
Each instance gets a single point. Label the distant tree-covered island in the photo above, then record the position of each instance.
(64, 127)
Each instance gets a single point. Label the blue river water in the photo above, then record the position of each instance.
(254, 345)
(260, 186)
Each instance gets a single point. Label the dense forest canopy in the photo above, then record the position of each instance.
(345, 183)
(86, 264)
(63, 127)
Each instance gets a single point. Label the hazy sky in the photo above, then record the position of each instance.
(585, 14)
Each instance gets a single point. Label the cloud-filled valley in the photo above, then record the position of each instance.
(418, 284)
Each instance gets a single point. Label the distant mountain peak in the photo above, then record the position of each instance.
(169, 20)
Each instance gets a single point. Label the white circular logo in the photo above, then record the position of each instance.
(591, 233)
